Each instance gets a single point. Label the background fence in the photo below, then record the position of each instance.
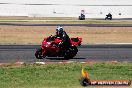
(66, 8)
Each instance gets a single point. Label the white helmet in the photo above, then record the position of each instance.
(59, 30)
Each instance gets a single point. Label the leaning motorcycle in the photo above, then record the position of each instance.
(49, 48)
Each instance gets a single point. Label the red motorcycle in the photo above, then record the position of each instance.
(49, 48)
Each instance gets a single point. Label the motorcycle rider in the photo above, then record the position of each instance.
(64, 37)
(109, 16)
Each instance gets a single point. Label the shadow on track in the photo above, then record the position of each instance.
(55, 58)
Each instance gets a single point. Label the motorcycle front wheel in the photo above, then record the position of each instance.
(38, 54)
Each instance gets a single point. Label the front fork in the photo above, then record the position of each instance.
(43, 50)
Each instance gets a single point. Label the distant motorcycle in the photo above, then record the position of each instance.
(82, 17)
(49, 48)
(108, 17)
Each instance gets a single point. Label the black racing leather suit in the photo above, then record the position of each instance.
(109, 15)
(65, 40)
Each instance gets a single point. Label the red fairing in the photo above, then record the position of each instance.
(76, 42)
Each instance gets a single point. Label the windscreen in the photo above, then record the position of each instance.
(75, 39)
(49, 39)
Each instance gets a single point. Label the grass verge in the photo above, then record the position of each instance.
(59, 20)
(54, 21)
(89, 35)
(60, 76)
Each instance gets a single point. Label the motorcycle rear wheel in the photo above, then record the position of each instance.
(71, 52)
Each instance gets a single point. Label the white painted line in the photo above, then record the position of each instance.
(82, 62)
(40, 62)
(70, 61)
(19, 63)
(114, 43)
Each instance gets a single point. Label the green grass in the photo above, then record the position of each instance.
(61, 20)
(59, 76)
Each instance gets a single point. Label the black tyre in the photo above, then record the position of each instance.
(39, 54)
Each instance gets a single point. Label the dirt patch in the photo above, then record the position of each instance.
(90, 35)
(35, 18)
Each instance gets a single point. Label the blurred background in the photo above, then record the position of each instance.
(66, 8)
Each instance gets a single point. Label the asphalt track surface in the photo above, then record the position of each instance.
(25, 53)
